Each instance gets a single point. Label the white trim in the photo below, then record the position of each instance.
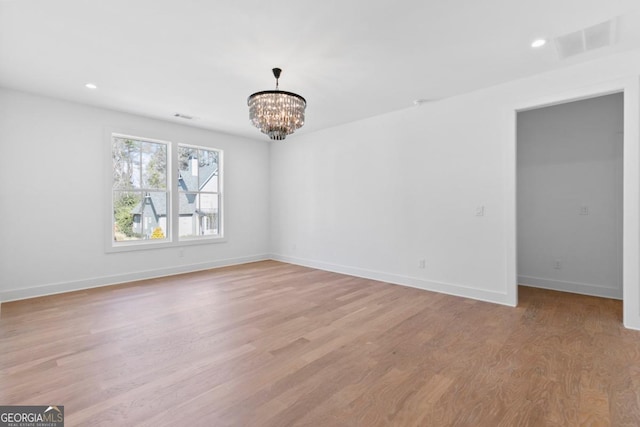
(96, 282)
(221, 196)
(137, 138)
(573, 287)
(146, 245)
(510, 214)
(395, 279)
(631, 205)
(630, 86)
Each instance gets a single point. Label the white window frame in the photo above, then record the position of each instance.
(218, 193)
(172, 239)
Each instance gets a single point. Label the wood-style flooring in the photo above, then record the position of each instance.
(273, 344)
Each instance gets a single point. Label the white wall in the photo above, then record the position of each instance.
(52, 201)
(374, 197)
(570, 196)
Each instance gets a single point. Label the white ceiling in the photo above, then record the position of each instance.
(349, 59)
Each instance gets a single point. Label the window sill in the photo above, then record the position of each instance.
(146, 245)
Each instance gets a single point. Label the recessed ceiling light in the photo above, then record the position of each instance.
(91, 86)
(538, 43)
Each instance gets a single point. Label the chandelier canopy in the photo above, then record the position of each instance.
(276, 113)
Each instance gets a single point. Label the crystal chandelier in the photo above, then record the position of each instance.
(275, 112)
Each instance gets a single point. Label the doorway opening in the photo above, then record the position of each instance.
(569, 196)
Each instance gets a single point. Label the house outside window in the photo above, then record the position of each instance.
(147, 209)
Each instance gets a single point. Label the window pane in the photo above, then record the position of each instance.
(198, 214)
(208, 162)
(126, 163)
(153, 215)
(208, 212)
(139, 215)
(187, 169)
(187, 221)
(154, 165)
(125, 219)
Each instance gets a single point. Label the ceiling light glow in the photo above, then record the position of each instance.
(538, 43)
(91, 86)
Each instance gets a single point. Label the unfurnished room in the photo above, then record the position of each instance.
(330, 213)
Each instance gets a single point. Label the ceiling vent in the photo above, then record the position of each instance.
(422, 101)
(587, 39)
(183, 116)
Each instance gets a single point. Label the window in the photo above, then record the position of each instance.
(140, 190)
(199, 190)
(149, 210)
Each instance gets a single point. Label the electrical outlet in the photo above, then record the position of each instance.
(422, 263)
(557, 264)
(584, 210)
(480, 211)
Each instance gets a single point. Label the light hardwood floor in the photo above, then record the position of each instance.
(273, 344)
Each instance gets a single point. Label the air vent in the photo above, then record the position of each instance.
(587, 39)
(183, 116)
(422, 101)
(570, 44)
(598, 36)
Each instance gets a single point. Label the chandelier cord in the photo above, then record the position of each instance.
(276, 74)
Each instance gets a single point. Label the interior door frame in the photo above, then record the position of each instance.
(630, 87)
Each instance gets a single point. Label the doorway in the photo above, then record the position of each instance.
(569, 214)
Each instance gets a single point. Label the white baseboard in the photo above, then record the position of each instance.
(573, 287)
(444, 288)
(78, 285)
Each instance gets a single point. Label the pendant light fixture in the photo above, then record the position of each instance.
(276, 113)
